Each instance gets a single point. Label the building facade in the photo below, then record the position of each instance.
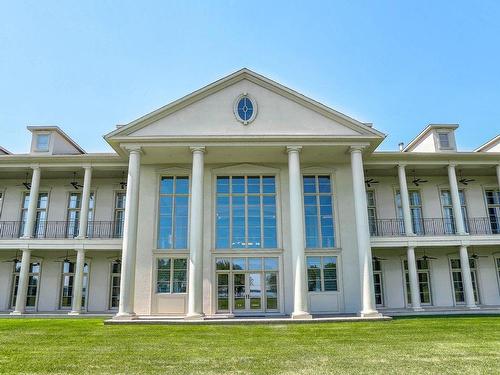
(246, 198)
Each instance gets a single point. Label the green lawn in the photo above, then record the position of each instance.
(424, 345)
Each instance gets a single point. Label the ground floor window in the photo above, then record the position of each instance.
(33, 281)
(68, 279)
(378, 283)
(497, 261)
(171, 276)
(458, 286)
(424, 282)
(322, 273)
(247, 284)
(116, 269)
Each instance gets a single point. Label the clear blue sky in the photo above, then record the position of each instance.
(89, 65)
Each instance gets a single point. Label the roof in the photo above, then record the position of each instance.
(229, 80)
(58, 130)
(491, 143)
(5, 151)
(426, 131)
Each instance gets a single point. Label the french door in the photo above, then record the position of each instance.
(245, 289)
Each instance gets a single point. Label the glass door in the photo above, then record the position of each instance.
(239, 292)
(254, 291)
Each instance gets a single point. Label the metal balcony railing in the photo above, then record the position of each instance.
(434, 226)
(62, 229)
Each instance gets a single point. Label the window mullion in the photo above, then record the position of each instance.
(318, 213)
(230, 212)
(171, 275)
(245, 194)
(261, 204)
(172, 231)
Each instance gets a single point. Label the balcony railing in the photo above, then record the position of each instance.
(62, 229)
(434, 227)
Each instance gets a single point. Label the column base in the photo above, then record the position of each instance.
(416, 309)
(80, 237)
(125, 316)
(301, 315)
(370, 314)
(16, 313)
(75, 313)
(194, 316)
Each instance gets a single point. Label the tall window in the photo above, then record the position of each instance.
(119, 214)
(318, 210)
(449, 218)
(116, 269)
(377, 282)
(415, 210)
(68, 278)
(73, 215)
(1, 202)
(322, 274)
(372, 211)
(33, 281)
(497, 262)
(171, 275)
(41, 214)
(424, 281)
(174, 213)
(493, 202)
(246, 212)
(458, 286)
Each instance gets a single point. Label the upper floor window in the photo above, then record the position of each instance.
(318, 210)
(246, 212)
(448, 215)
(41, 214)
(173, 212)
(372, 211)
(415, 210)
(444, 141)
(73, 214)
(42, 142)
(119, 214)
(493, 203)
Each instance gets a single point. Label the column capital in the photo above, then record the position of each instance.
(293, 149)
(35, 167)
(87, 166)
(194, 149)
(133, 149)
(401, 165)
(356, 148)
(452, 164)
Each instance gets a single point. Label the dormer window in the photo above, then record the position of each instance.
(42, 142)
(444, 141)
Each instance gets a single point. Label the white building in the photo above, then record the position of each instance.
(247, 198)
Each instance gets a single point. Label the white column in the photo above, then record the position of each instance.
(455, 200)
(195, 280)
(84, 212)
(33, 202)
(22, 286)
(362, 234)
(76, 306)
(498, 175)
(413, 276)
(405, 200)
(466, 278)
(300, 298)
(129, 251)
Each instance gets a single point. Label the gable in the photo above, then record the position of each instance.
(210, 112)
(214, 115)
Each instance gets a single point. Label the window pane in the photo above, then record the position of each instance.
(239, 263)
(271, 264)
(309, 184)
(223, 185)
(182, 185)
(222, 264)
(222, 222)
(324, 184)
(167, 185)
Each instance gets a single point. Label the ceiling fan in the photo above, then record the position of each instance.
(417, 181)
(426, 257)
(65, 259)
(376, 258)
(370, 181)
(75, 183)
(26, 183)
(464, 180)
(476, 256)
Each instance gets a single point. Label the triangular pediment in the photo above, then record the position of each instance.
(210, 112)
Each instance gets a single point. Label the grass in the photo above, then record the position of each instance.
(421, 345)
